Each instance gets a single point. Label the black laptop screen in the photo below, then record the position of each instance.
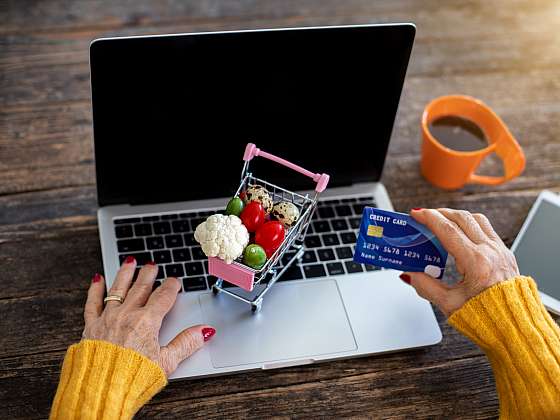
(172, 114)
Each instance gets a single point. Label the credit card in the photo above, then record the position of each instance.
(395, 240)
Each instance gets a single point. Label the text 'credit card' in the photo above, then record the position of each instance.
(395, 240)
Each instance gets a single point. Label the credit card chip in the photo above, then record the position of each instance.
(376, 231)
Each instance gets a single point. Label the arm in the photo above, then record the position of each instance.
(499, 310)
(102, 380)
(119, 364)
(522, 342)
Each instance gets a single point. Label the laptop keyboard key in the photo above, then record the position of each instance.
(189, 239)
(196, 222)
(339, 224)
(348, 237)
(326, 254)
(358, 208)
(320, 226)
(293, 272)
(182, 254)
(156, 285)
(194, 284)
(353, 267)
(343, 210)
(326, 212)
(197, 254)
(124, 221)
(173, 241)
(161, 273)
(315, 270)
(194, 268)
(369, 267)
(130, 245)
(331, 239)
(123, 231)
(287, 257)
(344, 252)
(309, 257)
(141, 258)
(143, 229)
(155, 242)
(169, 216)
(162, 257)
(174, 270)
(329, 202)
(150, 218)
(180, 226)
(355, 222)
(312, 241)
(335, 268)
(162, 228)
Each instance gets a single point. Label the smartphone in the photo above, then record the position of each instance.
(537, 248)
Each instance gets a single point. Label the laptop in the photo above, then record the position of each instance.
(172, 115)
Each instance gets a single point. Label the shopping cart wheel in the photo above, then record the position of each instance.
(256, 307)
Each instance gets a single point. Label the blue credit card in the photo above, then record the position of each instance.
(395, 240)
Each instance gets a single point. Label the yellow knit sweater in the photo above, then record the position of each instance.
(522, 342)
(105, 381)
(508, 321)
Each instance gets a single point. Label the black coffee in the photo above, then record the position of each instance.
(458, 134)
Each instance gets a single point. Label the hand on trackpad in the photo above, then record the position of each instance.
(296, 321)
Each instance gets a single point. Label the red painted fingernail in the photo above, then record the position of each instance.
(405, 277)
(96, 278)
(417, 209)
(129, 260)
(208, 333)
(151, 263)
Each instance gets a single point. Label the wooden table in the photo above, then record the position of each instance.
(504, 52)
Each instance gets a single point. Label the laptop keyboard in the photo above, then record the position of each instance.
(168, 240)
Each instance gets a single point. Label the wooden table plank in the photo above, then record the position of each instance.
(61, 15)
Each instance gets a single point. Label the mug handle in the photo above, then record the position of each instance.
(513, 159)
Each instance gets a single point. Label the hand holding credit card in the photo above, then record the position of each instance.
(395, 240)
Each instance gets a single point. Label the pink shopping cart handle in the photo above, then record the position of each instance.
(321, 179)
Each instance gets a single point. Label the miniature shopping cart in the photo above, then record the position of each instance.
(247, 278)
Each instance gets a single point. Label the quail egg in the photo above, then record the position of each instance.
(286, 213)
(260, 194)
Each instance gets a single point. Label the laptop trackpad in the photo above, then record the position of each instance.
(297, 321)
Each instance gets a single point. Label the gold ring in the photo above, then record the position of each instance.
(115, 298)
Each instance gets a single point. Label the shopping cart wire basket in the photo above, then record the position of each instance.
(246, 277)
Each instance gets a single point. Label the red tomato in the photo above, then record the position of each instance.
(270, 236)
(252, 216)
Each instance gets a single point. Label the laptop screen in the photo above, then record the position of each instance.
(172, 114)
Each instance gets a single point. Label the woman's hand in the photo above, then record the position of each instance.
(136, 322)
(480, 256)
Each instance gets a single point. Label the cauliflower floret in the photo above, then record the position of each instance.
(222, 236)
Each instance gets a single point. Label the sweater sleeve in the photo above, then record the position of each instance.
(522, 342)
(102, 380)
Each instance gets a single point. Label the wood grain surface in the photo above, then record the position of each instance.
(505, 52)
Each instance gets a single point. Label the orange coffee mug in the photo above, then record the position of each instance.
(452, 169)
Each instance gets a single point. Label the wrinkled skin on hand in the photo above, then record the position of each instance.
(480, 256)
(135, 324)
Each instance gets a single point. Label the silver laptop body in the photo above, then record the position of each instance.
(327, 307)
